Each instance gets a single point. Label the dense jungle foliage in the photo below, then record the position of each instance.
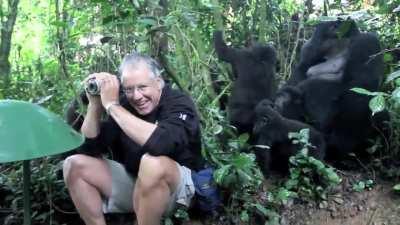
(48, 47)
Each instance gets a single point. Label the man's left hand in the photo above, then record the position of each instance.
(109, 91)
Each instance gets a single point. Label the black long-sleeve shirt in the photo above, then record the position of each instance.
(177, 134)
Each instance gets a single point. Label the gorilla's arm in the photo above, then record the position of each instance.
(224, 52)
(72, 115)
(324, 44)
(334, 66)
(365, 66)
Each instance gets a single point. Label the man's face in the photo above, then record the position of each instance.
(142, 91)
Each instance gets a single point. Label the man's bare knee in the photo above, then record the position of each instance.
(154, 170)
(76, 166)
(154, 166)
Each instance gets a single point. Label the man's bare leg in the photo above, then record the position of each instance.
(87, 178)
(157, 179)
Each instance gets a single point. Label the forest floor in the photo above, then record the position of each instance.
(345, 206)
(378, 206)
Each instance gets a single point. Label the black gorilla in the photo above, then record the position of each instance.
(254, 69)
(72, 116)
(325, 100)
(271, 129)
(313, 101)
(329, 43)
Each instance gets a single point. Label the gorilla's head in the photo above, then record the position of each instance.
(266, 116)
(335, 29)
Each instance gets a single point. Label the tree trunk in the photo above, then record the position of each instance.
(262, 37)
(5, 45)
(159, 48)
(61, 16)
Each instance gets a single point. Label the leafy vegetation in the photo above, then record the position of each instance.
(309, 177)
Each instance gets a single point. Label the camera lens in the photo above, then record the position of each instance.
(92, 87)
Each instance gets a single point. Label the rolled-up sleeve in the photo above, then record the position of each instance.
(109, 131)
(177, 126)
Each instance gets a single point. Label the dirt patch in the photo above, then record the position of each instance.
(348, 207)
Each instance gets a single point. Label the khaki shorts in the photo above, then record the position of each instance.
(121, 199)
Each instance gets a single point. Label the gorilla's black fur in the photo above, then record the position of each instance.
(326, 101)
(271, 129)
(254, 70)
(72, 115)
(328, 41)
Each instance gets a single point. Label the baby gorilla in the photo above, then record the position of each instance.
(271, 129)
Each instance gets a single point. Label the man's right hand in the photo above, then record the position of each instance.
(94, 100)
(91, 125)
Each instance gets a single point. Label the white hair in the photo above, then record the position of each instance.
(133, 60)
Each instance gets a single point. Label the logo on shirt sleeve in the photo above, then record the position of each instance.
(182, 116)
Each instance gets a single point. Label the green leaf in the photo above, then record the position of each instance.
(369, 184)
(387, 57)
(304, 151)
(217, 129)
(220, 173)
(242, 160)
(261, 208)
(294, 173)
(181, 213)
(168, 221)
(292, 183)
(147, 21)
(332, 176)
(363, 91)
(244, 216)
(136, 4)
(284, 195)
(109, 19)
(273, 218)
(319, 165)
(396, 94)
(243, 138)
(244, 178)
(392, 76)
(60, 24)
(234, 144)
(377, 104)
(360, 186)
(396, 187)
(293, 135)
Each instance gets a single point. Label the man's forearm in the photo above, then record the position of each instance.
(91, 125)
(137, 129)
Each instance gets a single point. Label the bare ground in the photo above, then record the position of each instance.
(378, 206)
(345, 206)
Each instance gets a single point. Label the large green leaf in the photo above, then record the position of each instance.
(242, 160)
(221, 173)
(396, 187)
(43, 132)
(377, 104)
(364, 91)
(393, 76)
(396, 94)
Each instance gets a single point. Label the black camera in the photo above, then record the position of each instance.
(92, 86)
